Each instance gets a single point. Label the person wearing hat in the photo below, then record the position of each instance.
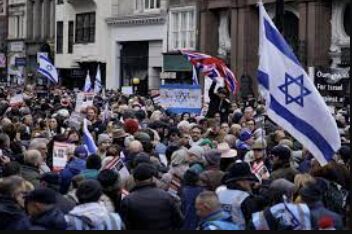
(244, 142)
(311, 194)
(281, 156)
(195, 155)
(118, 137)
(131, 126)
(75, 165)
(236, 195)
(148, 207)
(90, 214)
(41, 206)
(259, 163)
(104, 142)
(212, 176)
(218, 103)
(228, 155)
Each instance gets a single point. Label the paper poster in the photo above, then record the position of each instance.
(181, 98)
(122, 169)
(163, 159)
(60, 152)
(75, 121)
(83, 100)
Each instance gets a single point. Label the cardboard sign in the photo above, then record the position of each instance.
(60, 152)
(83, 100)
(181, 98)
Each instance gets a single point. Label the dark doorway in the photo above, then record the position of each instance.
(134, 64)
(291, 30)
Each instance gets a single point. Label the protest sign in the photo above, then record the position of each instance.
(181, 98)
(127, 90)
(60, 153)
(16, 100)
(83, 100)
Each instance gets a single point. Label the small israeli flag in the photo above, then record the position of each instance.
(97, 84)
(88, 139)
(292, 100)
(88, 84)
(47, 69)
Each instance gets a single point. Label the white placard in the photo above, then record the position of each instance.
(127, 90)
(60, 152)
(83, 100)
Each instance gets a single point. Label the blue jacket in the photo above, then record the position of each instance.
(12, 217)
(188, 198)
(219, 220)
(317, 211)
(74, 167)
(52, 219)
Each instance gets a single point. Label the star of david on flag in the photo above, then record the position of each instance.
(292, 100)
(47, 69)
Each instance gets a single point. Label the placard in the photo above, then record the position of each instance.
(75, 121)
(83, 100)
(332, 83)
(127, 90)
(60, 152)
(181, 98)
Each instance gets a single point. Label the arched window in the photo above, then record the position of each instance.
(291, 30)
(346, 19)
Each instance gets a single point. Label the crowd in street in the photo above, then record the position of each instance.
(230, 168)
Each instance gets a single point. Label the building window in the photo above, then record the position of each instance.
(182, 29)
(16, 26)
(70, 37)
(85, 28)
(59, 37)
(145, 5)
(346, 19)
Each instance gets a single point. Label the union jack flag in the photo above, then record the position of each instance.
(213, 68)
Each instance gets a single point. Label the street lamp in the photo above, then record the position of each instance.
(135, 81)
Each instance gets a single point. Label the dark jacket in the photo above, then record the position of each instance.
(74, 167)
(150, 208)
(12, 217)
(216, 105)
(188, 198)
(317, 211)
(284, 172)
(52, 219)
(64, 204)
(31, 174)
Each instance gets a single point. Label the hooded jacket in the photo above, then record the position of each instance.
(52, 219)
(74, 167)
(12, 217)
(93, 216)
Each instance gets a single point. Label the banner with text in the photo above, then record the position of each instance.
(333, 84)
(179, 98)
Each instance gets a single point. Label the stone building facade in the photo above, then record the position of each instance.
(315, 29)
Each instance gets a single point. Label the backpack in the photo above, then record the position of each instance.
(335, 197)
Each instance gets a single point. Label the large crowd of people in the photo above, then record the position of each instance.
(229, 168)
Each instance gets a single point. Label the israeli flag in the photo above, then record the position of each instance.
(88, 84)
(88, 139)
(97, 84)
(194, 76)
(47, 69)
(292, 100)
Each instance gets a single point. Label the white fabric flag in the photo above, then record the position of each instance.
(292, 100)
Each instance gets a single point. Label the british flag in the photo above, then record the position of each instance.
(212, 67)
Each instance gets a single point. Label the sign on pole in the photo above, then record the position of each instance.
(60, 153)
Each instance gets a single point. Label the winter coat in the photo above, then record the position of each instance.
(52, 219)
(318, 211)
(12, 217)
(284, 172)
(93, 216)
(90, 174)
(150, 208)
(219, 220)
(31, 174)
(188, 198)
(212, 178)
(215, 105)
(74, 167)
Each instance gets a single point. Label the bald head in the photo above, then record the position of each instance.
(33, 157)
(207, 202)
(135, 147)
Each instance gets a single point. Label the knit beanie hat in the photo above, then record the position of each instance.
(213, 157)
(131, 126)
(144, 171)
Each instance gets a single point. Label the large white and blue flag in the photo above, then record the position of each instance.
(47, 69)
(97, 84)
(292, 100)
(88, 139)
(88, 87)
